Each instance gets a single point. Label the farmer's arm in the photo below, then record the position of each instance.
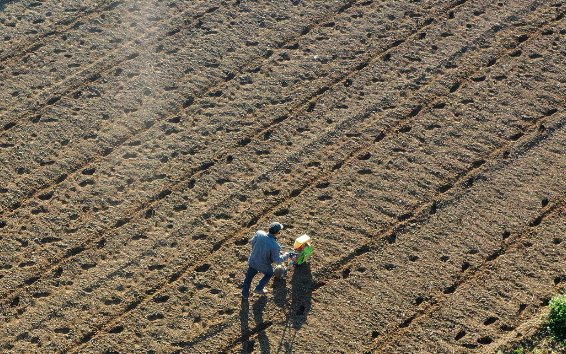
(276, 256)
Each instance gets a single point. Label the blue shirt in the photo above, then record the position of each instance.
(265, 250)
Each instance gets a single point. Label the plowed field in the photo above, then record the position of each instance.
(421, 144)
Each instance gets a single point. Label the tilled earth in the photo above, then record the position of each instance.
(422, 145)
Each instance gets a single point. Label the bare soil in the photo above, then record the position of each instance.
(421, 144)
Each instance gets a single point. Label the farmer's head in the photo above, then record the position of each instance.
(275, 227)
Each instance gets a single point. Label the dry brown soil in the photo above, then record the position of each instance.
(421, 143)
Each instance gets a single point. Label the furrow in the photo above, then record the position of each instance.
(57, 18)
(510, 274)
(208, 82)
(114, 38)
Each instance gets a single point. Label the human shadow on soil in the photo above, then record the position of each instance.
(297, 312)
(245, 326)
(260, 326)
(280, 292)
(301, 301)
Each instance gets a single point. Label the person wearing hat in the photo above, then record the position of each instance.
(265, 251)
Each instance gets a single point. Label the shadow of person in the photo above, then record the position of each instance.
(301, 295)
(280, 292)
(245, 326)
(262, 338)
(301, 302)
(280, 299)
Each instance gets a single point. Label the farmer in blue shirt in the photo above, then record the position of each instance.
(265, 251)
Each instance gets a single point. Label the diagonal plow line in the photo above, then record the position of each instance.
(67, 84)
(421, 211)
(312, 98)
(264, 326)
(247, 66)
(250, 64)
(40, 41)
(87, 71)
(522, 319)
(198, 170)
(359, 251)
(395, 332)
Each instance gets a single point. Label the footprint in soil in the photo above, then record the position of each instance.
(87, 182)
(46, 196)
(544, 202)
(156, 267)
(88, 266)
(112, 301)
(88, 171)
(58, 272)
(62, 330)
(161, 299)
(282, 212)
(26, 264)
(522, 308)
(180, 207)
(271, 192)
(9, 125)
(419, 300)
(200, 237)
(155, 316)
(460, 335)
(203, 268)
(389, 266)
(433, 208)
(31, 280)
(40, 294)
(470, 345)
(117, 329)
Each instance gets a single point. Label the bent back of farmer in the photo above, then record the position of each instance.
(265, 251)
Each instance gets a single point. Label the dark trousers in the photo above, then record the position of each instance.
(248, 281)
